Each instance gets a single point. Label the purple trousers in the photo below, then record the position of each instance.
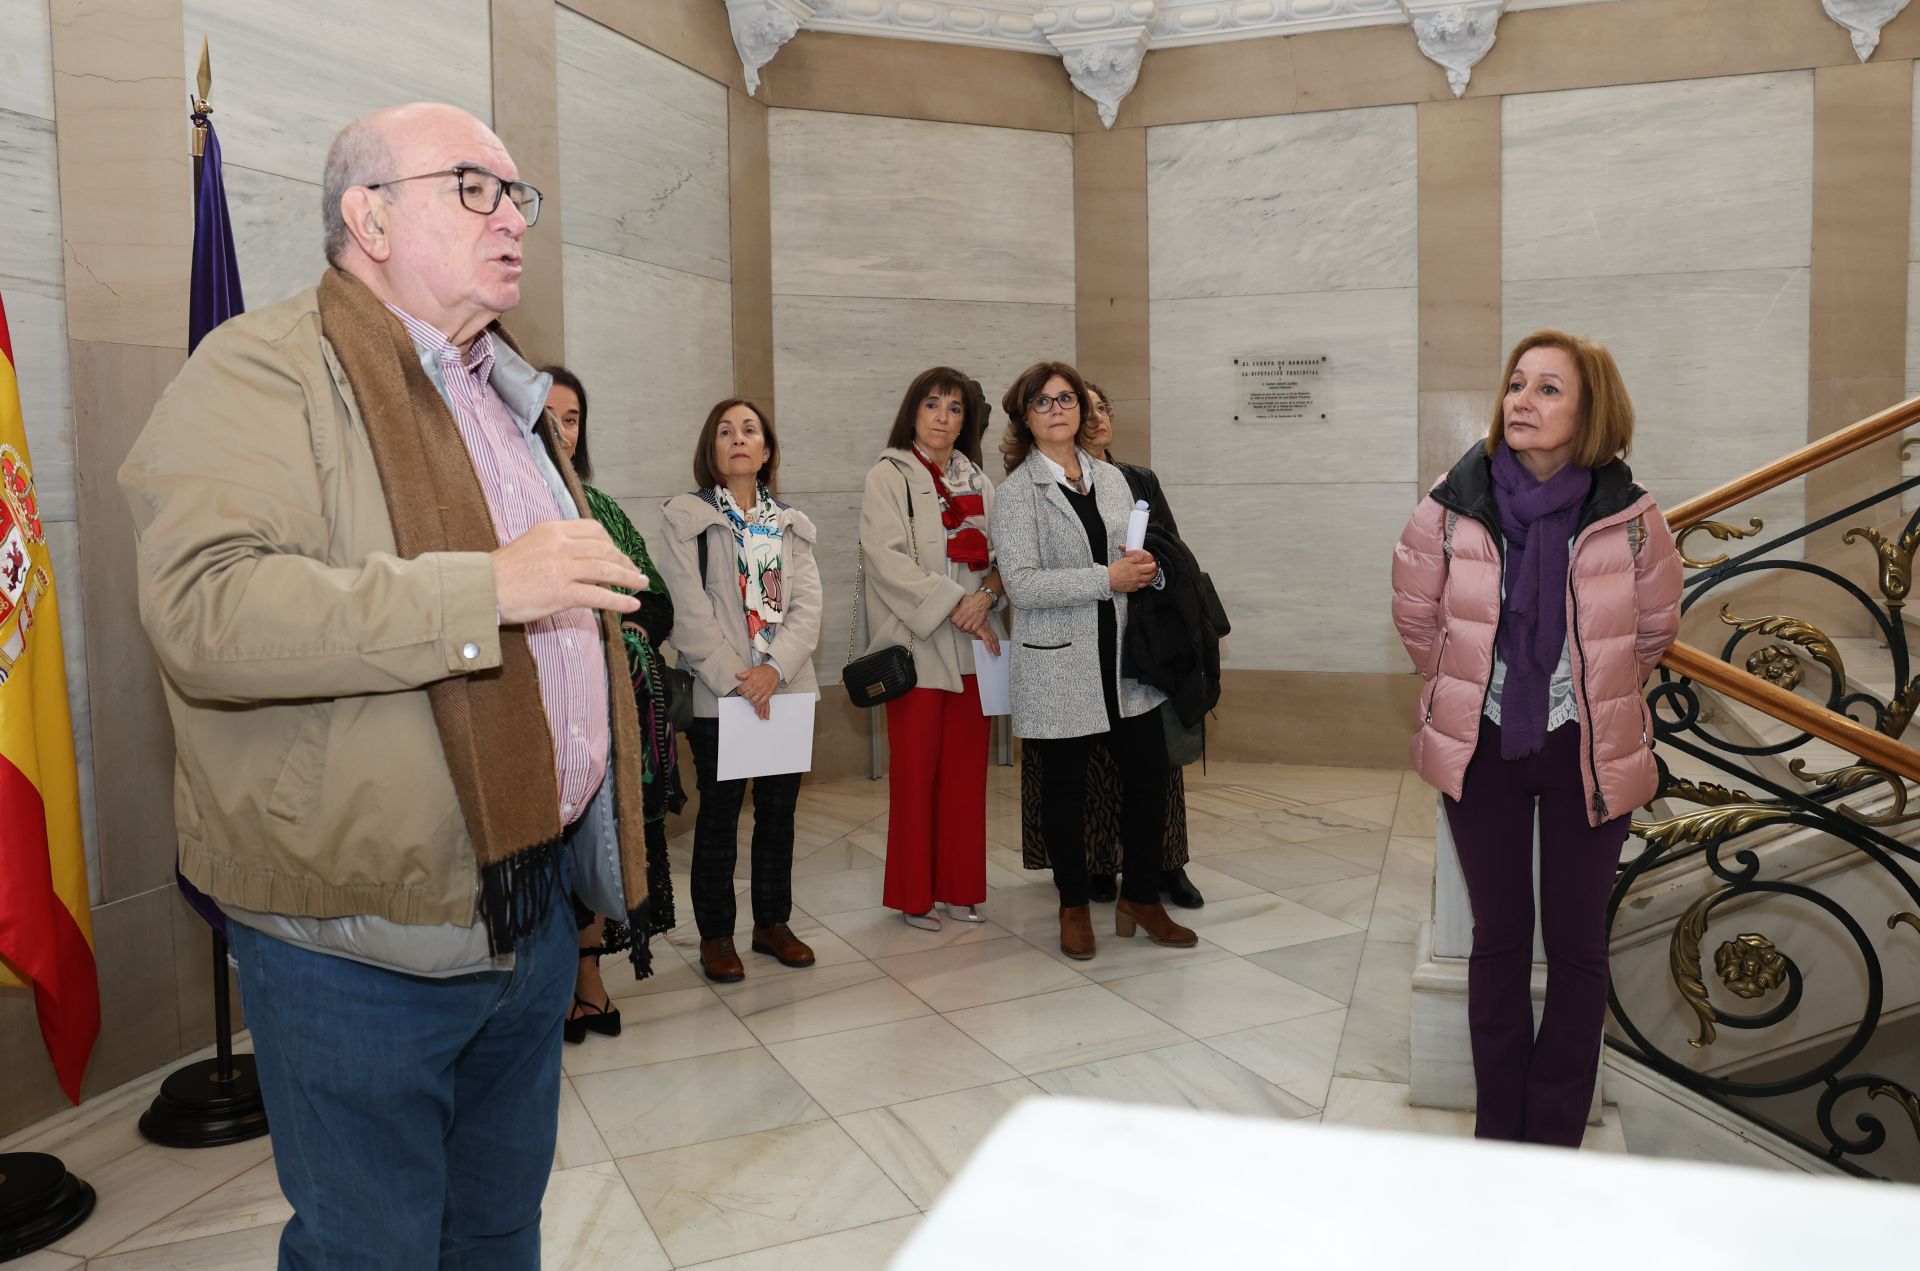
(1534, 1088)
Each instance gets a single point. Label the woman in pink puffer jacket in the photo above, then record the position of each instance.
(1536, 588)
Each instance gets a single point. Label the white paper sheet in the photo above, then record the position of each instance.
(755, 747)
(990, 676)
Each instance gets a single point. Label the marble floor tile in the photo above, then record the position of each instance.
(672, 973)
(869, 1248)
(1058, 1030)
(47, 1260)
(590, 1219)
(1418, 810)
(840, 856)
(712, 1200)
(1214, 885)
(1236, 801)
(254, 1249)
(1374, 809)
(1028, 907)
(1283, 865)
(1350, 900)
(1375, 1044)
(923, 1143)
(1221, 997)
(963, 975)
(1405, 899)
(881, 933)
(1609, 1136)
(148, 1182)
(1116, 959)
(1362, 847)
(1328, 967)
(889, 1063)
(1322, 784)
(658, 1028)
(693, 1100)
(830, 999)
(578, 1142)
(1254, 924)
(1186, 1076)
(251, 1200)
(1382, 1105)
(838, 891)
(1296, 1055)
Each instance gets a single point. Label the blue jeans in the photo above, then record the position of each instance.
(413, 1119)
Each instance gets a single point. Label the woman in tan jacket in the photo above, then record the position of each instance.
(929, 584)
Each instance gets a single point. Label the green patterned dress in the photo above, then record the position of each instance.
(660, 768)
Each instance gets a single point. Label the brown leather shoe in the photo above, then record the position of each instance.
(779, 942)
(1163, 929)
(1076, 932)
(720, 963)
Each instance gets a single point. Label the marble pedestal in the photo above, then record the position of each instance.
(1442, 1057)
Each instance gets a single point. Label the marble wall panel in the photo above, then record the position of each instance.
(1371, 430)
(836, 520)
(32, 283)
(904, 208)
(1716, 364)
(1659, 178)
(842, 365)
(287, 75)
(63, 545)
(654, 347)
(26, 58)
(277, 236)
(643, 151)
(1313, 202)
(1304, 571)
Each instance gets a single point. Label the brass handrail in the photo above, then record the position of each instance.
(1802, 461)
(1809, 717)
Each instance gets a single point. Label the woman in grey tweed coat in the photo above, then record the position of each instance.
(1059, 527)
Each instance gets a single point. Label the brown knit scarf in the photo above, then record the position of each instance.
(493, 727)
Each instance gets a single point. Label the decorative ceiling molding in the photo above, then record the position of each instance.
(1863, 18)
(1103, 44)
(762, 28)
(1456, 35)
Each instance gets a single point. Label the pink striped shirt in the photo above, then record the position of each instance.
(566, 647)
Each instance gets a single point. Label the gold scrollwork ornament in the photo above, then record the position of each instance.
(1709, 823)
(1896, 560)
(1908, 1101)
(1721, 533)
(1793, 631)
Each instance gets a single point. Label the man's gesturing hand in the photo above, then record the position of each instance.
(560, 565)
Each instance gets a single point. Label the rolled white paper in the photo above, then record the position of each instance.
(1137, 527)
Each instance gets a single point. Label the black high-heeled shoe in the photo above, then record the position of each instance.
(1102, 888)
(605, 1020)
(1177, 887)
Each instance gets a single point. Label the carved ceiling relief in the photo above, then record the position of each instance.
(1103, 44)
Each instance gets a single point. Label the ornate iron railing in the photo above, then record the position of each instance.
(1783, 828)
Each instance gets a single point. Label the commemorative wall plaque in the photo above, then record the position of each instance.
(1281, 389)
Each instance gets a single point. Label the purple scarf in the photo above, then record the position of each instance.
(1538, 519)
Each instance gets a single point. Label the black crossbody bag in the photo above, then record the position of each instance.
(886, 673)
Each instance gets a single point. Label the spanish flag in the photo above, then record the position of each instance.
(46, 931)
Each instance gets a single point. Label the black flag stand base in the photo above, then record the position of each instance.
(39, 1202)
(216, 1100)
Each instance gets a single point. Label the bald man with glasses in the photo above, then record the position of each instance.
(388, 628)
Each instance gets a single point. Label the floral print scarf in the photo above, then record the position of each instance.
(757, 543)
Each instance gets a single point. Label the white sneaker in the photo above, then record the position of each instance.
(965, 913)
(925, 921)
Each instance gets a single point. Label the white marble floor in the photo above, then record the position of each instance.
(806, 1119)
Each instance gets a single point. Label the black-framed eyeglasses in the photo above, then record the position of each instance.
(1067, 399)
(481, 190)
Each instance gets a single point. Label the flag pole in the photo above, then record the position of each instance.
(213, 1101)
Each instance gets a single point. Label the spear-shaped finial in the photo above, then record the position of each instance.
(200, 104)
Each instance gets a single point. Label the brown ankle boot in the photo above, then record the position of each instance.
(720, 963)
(1076, 932)
(779, 942)
(1163, 929)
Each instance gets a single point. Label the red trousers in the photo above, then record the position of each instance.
(936, 799)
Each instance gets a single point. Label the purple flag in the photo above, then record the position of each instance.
(216, 297)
